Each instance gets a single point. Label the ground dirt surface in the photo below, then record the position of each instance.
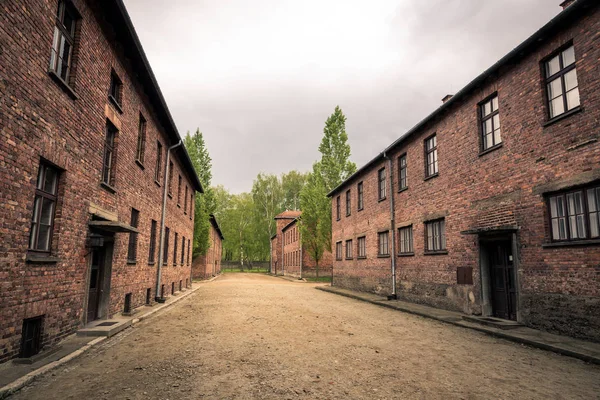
(251, 336)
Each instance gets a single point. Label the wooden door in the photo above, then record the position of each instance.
(504, 292)
(95, 287)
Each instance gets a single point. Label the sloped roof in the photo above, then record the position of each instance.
(289, 214)
(215, 225)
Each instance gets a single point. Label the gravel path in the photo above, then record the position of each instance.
(247, 336)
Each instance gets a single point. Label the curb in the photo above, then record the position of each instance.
(19, 383)
(500, 334)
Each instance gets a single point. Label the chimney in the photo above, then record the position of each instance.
(567, 3)
(447, 97)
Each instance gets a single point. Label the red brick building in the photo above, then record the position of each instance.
(84, 161)
(490, 205)
(209, 265)
(288, 256)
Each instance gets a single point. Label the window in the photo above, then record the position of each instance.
(175, 250)
(362, 247)
(349, 249)
(435, 235)
(338, 251)
(575, 215)
(182, 250)
(402, 178)
(108, 168)
(490, 123)
(431, 158)
(133, 237)
(115, 92)
(179, 191)
(189, 251)
(141, 144)
(405, 237)
(170, 183)
(561, 82)
(31, 337)
(44, 205)
(360, 191)
(152, 244)
(192, 204)
(384, 248)
(348, 203)
(61, 57)
(158, 162)
(337, 208)
(381, 183)
(185, 199)
(166, 247)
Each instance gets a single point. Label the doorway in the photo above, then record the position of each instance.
(95, 285)
(501, 282)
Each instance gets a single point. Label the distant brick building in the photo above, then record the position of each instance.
(490, 205)
(83, 165)
(288, 256)
(209, 265)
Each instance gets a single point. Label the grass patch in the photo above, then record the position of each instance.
(319, 279)
(245, 270)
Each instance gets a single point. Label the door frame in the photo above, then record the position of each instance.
(485, 273)
(104, 282)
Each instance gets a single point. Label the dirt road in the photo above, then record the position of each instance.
(248, 336)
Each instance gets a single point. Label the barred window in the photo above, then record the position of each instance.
(44, 207)
(338, 251)
(133, 237)
(108, 169)
(362, 247)
(166, 247)
(175, 249)
(349, 249)
(115, 93)
(575, 215)
(141, 143)
(170, 183)
(384, 248)
(405, 237)
(435, 235)
(337, 208)
(158, 162)
(152, 245)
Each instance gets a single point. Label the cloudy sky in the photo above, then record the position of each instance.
(259, 78)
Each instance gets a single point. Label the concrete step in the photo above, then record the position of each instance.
(106, 328)
(494, 322)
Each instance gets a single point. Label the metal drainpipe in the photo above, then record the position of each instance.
(393, 226)
(301, 252)
(162, 219)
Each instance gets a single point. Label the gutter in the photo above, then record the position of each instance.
(393, 296)
(161, 246)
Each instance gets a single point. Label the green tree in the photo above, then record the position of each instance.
(267, 195)
(335, 151)
(204, 204)
(291, 185)
(315, 223)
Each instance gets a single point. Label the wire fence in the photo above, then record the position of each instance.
(236, 266)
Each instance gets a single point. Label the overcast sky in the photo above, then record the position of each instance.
(259, 78)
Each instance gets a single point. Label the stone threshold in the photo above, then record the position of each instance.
(576, 348)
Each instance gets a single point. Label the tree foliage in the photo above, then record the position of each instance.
(204, 203)
(315, 224)
(335, 151)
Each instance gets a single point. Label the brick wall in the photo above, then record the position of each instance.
(558, 287)
(209, 265)
(297, 260)
(39, 119)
